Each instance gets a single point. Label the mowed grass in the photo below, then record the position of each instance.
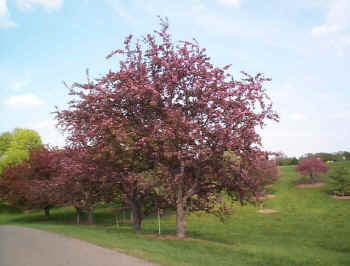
(310, 228)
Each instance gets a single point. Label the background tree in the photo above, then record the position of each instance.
(294, 161)
(84, 180)
(25, 139)
(132, 172)
(5, 140)
(29, 184)
(258, 173)
(283, 159)
(341, 178)
(264, 172)
(169, 104)
(14, 146)
(346, 155)
(312, 168)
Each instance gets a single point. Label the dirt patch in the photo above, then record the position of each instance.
(341, 197)
(320, 184)
(269, 185)
(168, 237)
(267, 196)
(267, 211)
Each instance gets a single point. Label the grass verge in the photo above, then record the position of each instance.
(310, 228)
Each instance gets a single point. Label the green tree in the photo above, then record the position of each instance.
(25, 139)
(5, 140)
(346, 155)
(341, 177)
(13, 156)
(14, 145)
(293, 161)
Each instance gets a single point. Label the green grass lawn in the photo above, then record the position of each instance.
(310, 228)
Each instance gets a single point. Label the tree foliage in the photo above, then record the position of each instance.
(25, 139)
(341, 178)
(312, 168)
(14, 145)
(30, 183)
(5, 140)
(173, 112)
(83, 179)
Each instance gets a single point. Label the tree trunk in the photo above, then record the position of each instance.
(47, 212)
(180, 206)
(90, 216)
(312, 178)
(132, 216)
(180, 215)
(136, 215)
(78, 212)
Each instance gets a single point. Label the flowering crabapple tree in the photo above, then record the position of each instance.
(138, 191)
(249, 177)
(30, 184)
(84, 180)
(126, 175)
(12, 189)
(312, 168)
(168, 106)
(264, 172)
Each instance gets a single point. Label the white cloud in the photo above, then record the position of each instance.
(336, 28)
(121, 10)
(21, 84)
(49, 4)
(324, 29)
(23, 100)
(5, 20)
(48, 132)
(297, 117)
(230, 2)
(225, 25)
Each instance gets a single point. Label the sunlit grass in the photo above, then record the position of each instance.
(310, 228)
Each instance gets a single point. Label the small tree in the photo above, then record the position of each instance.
(30, 183)
(259, 172)
(341, 178)
(346, 155)
(294, 161)
(84, 180)
(264, 172)
(312, 168)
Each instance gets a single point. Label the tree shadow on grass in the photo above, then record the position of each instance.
(103, 216)
(7, 209)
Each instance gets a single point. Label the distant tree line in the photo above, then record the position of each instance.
(324, 156)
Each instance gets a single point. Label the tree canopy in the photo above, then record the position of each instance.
(14, 145)
(172, 111)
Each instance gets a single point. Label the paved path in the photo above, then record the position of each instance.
(30, 247)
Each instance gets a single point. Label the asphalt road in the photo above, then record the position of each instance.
(30, 247)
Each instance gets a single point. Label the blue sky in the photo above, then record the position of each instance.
(303, 45)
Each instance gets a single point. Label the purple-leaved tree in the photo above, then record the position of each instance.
(168, 110)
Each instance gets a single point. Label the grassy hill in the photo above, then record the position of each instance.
(310, 228)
